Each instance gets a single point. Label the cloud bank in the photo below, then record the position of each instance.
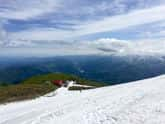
(108, 24)
(131, 26)
(139, 17)
(121, 47)
(104, 46)
(25, 10)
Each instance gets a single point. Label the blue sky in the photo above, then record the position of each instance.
(60, 27)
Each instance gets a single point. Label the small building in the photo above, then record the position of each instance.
(58, 82)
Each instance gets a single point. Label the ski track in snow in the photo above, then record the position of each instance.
(140, 102)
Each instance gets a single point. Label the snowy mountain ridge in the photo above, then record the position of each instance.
(140, 102)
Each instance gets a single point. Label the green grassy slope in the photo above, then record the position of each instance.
(60, 76)
(37, 86)
(19, 92)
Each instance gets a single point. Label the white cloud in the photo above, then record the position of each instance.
(23, 10)
(58, 41)
(30, 37)
(3, 35)
(160, 34)
(104, 46)
(42, 34)
(153, 34)
(109, 24)
(20, 43)
(135, 18)
(121, 47)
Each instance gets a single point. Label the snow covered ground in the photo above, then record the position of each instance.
(141, 102)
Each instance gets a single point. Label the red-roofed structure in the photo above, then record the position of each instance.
(58, 82)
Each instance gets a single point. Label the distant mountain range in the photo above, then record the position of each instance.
(108, 69)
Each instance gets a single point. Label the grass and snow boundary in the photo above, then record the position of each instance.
(40, 85)
(140, 102)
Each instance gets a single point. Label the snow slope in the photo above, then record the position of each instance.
(141, 102)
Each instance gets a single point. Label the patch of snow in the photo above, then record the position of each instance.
(79, 85)
(71, 83)
(140, 102)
